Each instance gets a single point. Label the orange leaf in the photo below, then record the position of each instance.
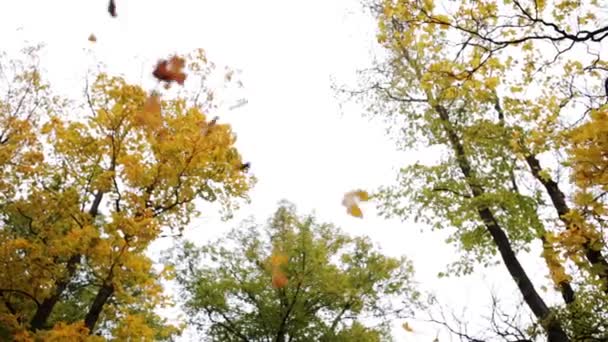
(279, 280)
(171, 70)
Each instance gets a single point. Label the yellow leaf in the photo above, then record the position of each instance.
(351, 202)
(278, 259)
(406, 326)
(363, 195)
(355, 211)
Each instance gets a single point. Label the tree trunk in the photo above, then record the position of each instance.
(548, 250)
(595, 258)
(104, 293)
(45, 309)
(531, 297)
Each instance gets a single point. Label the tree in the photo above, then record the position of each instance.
(499, 86)
(333, 286)
(497, 325)
(84, 193)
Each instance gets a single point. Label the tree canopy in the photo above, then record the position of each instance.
(513, 95)
(331, 288)
(85, 190)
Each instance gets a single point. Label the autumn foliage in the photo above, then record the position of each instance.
(513, 94)
(293, 278)
(83, 195)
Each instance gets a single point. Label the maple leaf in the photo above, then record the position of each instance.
(351, 202)
(171, 70)
(279, 280)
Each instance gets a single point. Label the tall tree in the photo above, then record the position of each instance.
(293, 280)
(497, 87)
(85, 193)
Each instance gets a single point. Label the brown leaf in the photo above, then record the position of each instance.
(92, 38)
(171, 70)
(245, 166)
(112, 8)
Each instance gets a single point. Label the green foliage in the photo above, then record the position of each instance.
(335, 283)
(501, 88)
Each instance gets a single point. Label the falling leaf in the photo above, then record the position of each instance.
(278, 259)
(171, 70)
(92, 38)
(363, 195)
(112, 8)
(279, 280)
(351, 202)
(355, 211)
(406, 326)
(245, 166)
(228, 76)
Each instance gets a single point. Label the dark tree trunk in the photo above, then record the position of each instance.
(595, 257)
(45, 309)
(500, 238)
(104, 293)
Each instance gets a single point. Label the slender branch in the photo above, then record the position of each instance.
(21, 292)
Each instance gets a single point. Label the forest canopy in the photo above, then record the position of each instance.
(507, 100)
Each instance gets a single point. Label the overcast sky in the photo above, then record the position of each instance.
(301, 146)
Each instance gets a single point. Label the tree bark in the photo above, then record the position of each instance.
(45, 309)
(531, 297)
(595, 257)
(104, 293)
(564, 287)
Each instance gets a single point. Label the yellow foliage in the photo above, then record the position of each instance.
(134, 328)
(588, 145)
(108, 182)
(150, 115)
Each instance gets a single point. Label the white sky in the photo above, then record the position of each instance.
(301, 147)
